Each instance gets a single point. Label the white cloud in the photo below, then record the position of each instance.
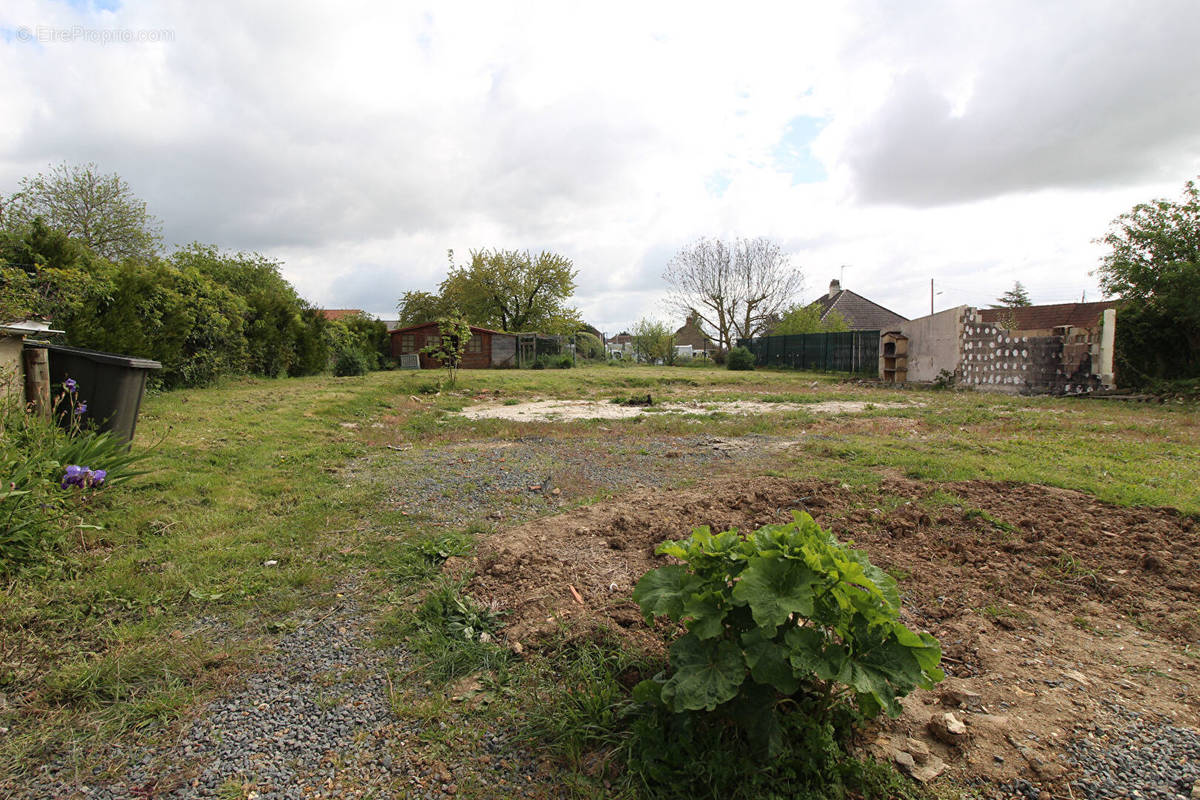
(977, 144)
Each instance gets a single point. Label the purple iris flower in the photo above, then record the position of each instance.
(83, 477)
(69, 384)
(74, 476)
(81, 409)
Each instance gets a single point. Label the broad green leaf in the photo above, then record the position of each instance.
(706, 674)
(648, 691)
(707, 611)
(866, 680)
(754, 711)
(775, 589)
(676, 549)
(768, 661)
(664, 591)
(806, 649)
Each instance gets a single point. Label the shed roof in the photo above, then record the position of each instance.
(433, 324)
(1036, 318)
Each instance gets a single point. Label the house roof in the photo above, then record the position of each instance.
(433, 324)
(691, 334)
(333, 314)
(1037, 318)
(860, 313)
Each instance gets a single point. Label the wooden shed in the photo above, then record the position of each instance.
(487, 348)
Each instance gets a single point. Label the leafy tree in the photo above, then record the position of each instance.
(653, 341)
(98, 210)
(272, 323)
(1153, 265)
(1016, 297)
(45, 272)
(416, 307)
(359, 339)
(313, 343)
(588, 345)
(505, 289)
(736, 289)
(452, 345)
(35, 246)
(807, 319)
(174, 314)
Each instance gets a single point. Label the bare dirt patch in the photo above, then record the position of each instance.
(559, 410)
(1058, 614)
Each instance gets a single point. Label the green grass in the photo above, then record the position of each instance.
(116, 642)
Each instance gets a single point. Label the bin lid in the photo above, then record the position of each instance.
(98, 356)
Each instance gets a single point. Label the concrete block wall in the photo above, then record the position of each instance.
(999, 360)
(934, 343)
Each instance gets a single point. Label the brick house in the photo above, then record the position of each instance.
(691, 334)
(487, 348)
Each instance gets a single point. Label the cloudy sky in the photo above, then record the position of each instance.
(977, 144)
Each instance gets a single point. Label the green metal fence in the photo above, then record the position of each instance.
(852, 351)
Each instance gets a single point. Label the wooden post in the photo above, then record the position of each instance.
(37, 380)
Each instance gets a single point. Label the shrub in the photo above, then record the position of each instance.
(565, 362)
(719, 356)
(351, 362)
(786, 617)
(740, 358)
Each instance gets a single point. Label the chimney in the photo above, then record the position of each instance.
(835, 286)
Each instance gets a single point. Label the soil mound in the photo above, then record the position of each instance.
(1058, 614)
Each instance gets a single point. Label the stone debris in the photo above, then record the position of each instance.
(948, 729)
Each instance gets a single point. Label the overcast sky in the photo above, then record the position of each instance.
(977, 144)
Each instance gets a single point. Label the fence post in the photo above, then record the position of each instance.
(37, 380)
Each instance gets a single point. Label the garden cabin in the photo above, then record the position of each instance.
(486, 348)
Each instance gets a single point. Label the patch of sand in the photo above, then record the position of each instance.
(558, 410)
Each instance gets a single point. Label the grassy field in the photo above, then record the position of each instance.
(166, 603)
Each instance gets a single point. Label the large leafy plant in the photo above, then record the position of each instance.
(785, 617)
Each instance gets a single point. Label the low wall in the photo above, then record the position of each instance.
(999, 360)
(989, 357)
(934, 344)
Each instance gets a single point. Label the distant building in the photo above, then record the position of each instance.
(334, 314)
(860, 313)
(486, 348)
(619, 346)
(692, 335)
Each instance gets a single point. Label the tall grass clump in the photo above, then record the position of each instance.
(52, 475)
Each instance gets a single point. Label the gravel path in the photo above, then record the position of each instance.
(519, 478)
(1141, 759)
(1131, 758)
(314, 720)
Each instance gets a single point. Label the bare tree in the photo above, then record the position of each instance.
(734, 290)
(767, 283)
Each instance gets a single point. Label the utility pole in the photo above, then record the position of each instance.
(931, 297)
